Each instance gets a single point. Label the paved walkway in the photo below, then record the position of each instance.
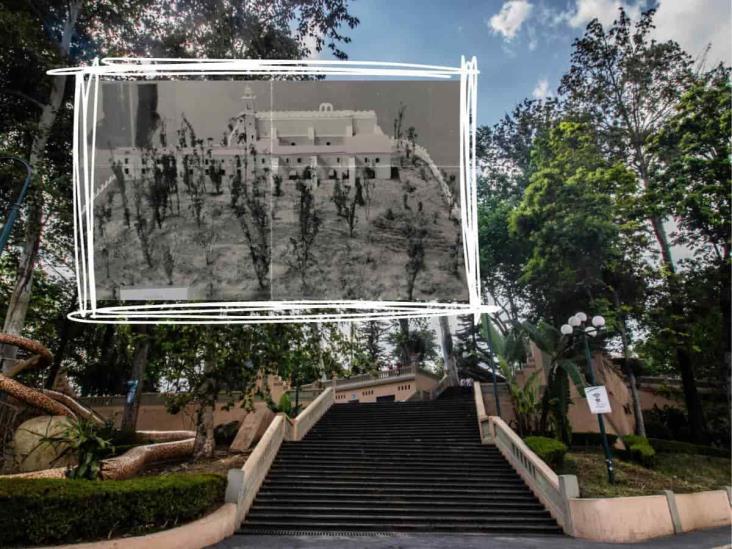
(703, 539)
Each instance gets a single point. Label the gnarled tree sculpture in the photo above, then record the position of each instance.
(172, 445)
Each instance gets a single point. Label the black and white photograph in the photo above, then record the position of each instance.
(283, 190)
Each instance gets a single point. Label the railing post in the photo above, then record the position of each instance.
(568, 489)
(234, 486)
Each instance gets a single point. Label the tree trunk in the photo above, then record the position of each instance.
(66, 332)
(640, 424)
(20, 298)
(686, 368)
(448, 354)
(139, 363)
(726, 308)
(205, 443)
(404, 345)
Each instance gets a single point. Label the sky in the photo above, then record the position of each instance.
(522, 46)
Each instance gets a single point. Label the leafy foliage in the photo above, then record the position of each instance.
(87, 442)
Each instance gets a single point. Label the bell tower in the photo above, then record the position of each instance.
(249, 115)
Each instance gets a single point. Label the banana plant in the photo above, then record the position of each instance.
(560, 367)
(509, 352)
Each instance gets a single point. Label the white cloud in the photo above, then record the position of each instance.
(541, 90)
(606, 11)
(694, 24)
(509, 19)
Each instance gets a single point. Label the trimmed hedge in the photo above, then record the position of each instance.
(592, 439)
(678, 447)
(550, 450)
(54, 511)
(638, 449)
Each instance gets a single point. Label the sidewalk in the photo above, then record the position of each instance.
(703, 539)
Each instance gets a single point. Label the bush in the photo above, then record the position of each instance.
(592, 439)
(550, 450)
(53, 511)
(285, 404)
(677, 447)
(638, 449)
(668, 423)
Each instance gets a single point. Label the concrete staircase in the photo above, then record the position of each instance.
(396, 466)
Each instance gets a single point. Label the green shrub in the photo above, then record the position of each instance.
(638, 449)
(54, 511)
(677, 447)
(285, 405)
(550, 450)
(591, 439)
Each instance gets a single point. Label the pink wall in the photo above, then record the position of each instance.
(703, 510)
(401, 390)
(621, 520)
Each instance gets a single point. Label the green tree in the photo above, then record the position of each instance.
(694, 184)
(629, 86)
(567, 216)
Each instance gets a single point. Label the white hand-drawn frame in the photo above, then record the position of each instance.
(247, 312)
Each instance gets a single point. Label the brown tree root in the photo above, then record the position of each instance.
(129, 464)
(41, 358)
(33, 398)
(77, 409)
(163, 436)
(133, 461)
(168, 445)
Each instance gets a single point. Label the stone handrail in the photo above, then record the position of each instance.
(243, 484)
(381, 374)
(551, 489)
(310, 415)
(480, 411)
(441, 386)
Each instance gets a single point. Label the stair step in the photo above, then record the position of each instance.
(397, 503)
(375, 479)
(377, 469)
(397, 486)
(502, 496)
(296, 514)
(336, 507)
(310, 529)
(403, 453)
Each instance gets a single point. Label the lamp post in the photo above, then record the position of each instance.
(13, 213)
(578, 326)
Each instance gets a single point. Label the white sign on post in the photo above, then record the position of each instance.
(598, 400)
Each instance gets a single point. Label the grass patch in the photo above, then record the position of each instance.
(682, 473)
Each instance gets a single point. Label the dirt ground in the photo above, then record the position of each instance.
(219, 464)
(681, 473)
